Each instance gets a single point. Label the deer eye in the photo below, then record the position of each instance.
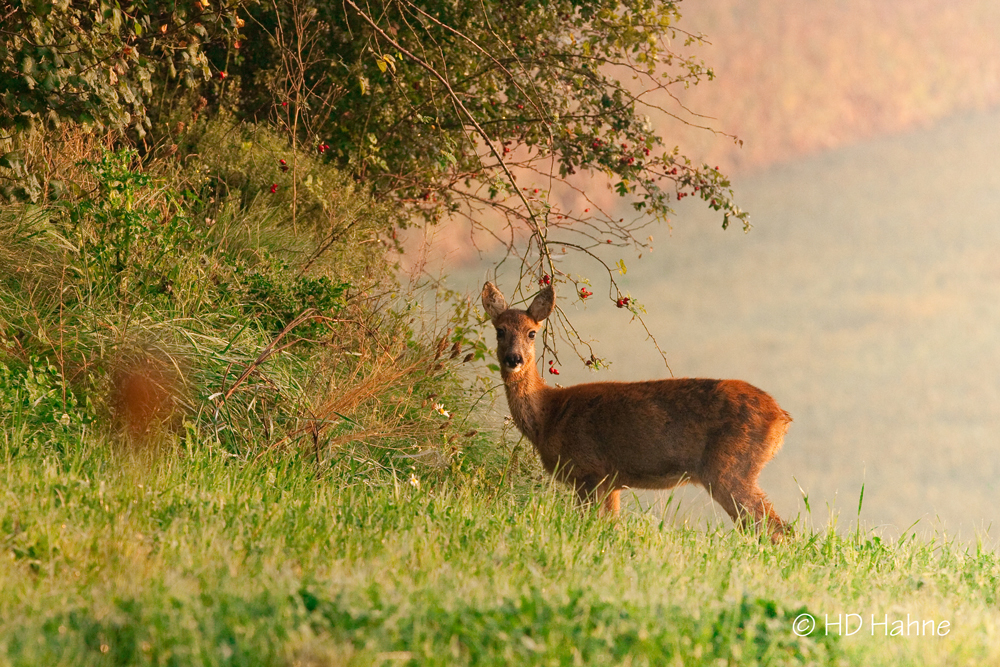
(531, 335)
(500, 333)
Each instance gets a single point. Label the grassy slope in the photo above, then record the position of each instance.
(198, 559)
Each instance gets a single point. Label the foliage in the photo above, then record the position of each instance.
(253, 170)
(96, 63)
(409, 90)
(503, 114)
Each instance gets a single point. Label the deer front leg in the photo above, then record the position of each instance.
(590, 490)
(613, 502)
(585, 491)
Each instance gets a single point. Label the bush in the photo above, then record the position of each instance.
(177, 300)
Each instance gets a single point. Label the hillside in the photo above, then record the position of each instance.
(794, 78)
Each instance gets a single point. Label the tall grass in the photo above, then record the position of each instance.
(166, 299)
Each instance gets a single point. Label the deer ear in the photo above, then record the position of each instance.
(542, 305)
(493, 301)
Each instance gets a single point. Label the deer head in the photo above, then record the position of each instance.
(516, 329)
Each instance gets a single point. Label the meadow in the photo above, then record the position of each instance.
(200, 558)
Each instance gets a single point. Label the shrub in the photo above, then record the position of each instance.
(203, 311)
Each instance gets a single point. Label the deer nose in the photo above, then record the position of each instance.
(513, 360)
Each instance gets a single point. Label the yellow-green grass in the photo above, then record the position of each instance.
(198, 558)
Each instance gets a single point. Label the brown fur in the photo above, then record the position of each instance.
(145, 397)
(601, 437)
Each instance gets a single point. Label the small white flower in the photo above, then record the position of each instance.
(439, 408)
(414, 482)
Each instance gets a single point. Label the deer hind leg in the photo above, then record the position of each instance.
(730, 475)
(749, 507)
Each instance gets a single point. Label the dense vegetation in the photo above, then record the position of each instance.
(505, 114)
(229, 436)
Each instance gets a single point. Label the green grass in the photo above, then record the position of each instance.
(198, 558)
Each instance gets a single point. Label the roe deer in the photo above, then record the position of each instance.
(603, 436)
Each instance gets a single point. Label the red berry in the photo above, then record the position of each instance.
(222, 75)
(554, 371)
(274, 188)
